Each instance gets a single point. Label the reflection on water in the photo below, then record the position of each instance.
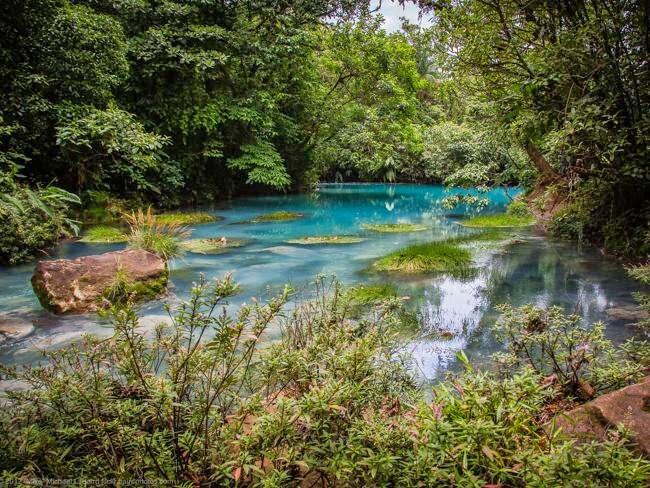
(530, 270)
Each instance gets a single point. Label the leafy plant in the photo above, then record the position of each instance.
(31, 221)
(575, 356)
(203, 400)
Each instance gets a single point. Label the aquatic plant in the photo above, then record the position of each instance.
(445, 256)
(326, 240)
(213, 245)
(498, 220)
(187, 218)
(331, 400)
(371, 293)
(394, 228)
(146, 232)
(279, 216)
(103, 234)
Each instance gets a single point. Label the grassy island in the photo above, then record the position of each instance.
(504, 220)
(213, 245)
(445, 256)
(101, 234)
(394, 228)
(187, 218)
(326, 240)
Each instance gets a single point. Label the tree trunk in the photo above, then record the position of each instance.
(546, 171)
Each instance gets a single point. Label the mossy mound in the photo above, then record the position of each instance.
(213, 245)
(425, 258)
(495, 234)
(394, 228)
(371, 294)
(279, 216)
(186, 218)
(326, 240)
(504, 220)
(103, 234)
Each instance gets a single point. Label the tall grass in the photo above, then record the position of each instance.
(148, 233)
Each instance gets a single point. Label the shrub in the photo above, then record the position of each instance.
(519, 208)
(575, 356)
(202, 402)
(32, 221)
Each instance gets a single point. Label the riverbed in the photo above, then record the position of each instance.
(526, 268)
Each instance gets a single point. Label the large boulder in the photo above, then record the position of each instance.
(78, 285)
(629, 406)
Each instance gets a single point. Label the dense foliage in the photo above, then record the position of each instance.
(177, 102)
(199, 401)
(570, 82)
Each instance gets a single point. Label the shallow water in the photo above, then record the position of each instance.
(531, 270)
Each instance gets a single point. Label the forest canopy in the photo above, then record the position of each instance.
(175, 102)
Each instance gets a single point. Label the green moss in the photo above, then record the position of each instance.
(423, 258)
(186, 218)
(42, 295)
(213, 245)
(327, 240)
(499, 220)
(122, 288)
(279, 216)
(394, 228)
(103, 234)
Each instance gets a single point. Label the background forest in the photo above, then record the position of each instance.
(185, 102)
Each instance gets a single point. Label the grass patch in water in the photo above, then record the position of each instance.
(103, 234)
(499, 220)
(212, 245)
(494, 234)
(186, 218)
(326, 240)
(371, 294)
(394, 228)
(444, 256)
(280, 216)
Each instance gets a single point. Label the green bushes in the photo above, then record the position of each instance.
(331, 401)
(563, 349)
(31, 221)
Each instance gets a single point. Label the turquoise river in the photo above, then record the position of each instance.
(530, 269)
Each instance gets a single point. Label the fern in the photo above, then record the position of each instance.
(263, 164)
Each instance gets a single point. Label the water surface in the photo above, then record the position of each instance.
(534, 269)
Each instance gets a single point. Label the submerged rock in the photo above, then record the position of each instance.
(14, 329)
(213, 245)
(630, 314)
(629, 406)
(77, 285)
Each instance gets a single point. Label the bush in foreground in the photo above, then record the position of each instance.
(202, 402)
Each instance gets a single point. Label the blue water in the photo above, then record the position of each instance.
(532, 270)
